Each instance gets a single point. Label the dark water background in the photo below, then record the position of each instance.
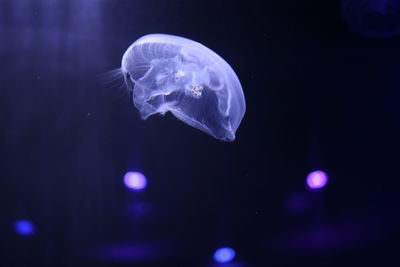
(320, 94)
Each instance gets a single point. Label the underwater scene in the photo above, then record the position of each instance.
(199, 133)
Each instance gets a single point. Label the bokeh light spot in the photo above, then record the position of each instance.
(135, 180)
(317, 179)
(223, 255)
(24, 227)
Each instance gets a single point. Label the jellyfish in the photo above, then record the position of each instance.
(372, 18)
(179, 75)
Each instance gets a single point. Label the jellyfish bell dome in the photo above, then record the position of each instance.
(176, 74)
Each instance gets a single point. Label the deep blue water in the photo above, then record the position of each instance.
(320, 95)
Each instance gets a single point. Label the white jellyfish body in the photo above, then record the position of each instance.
(172, 73)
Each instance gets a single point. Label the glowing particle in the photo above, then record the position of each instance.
(317, 179)
(223, 255)
(24, 227)
(135, 180)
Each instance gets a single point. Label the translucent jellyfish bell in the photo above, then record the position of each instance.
(172, 73)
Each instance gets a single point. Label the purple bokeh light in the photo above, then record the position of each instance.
(317, 179)
(24, 227)
(223, 255)
(135, 180)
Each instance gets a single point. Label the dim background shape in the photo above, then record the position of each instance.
(319, 97)
(372, 18)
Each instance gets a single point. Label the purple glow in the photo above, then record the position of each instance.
(24, 227)
(317, 179)
(223, 255)
(334, 235)
(132, 252)
(135, 180)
